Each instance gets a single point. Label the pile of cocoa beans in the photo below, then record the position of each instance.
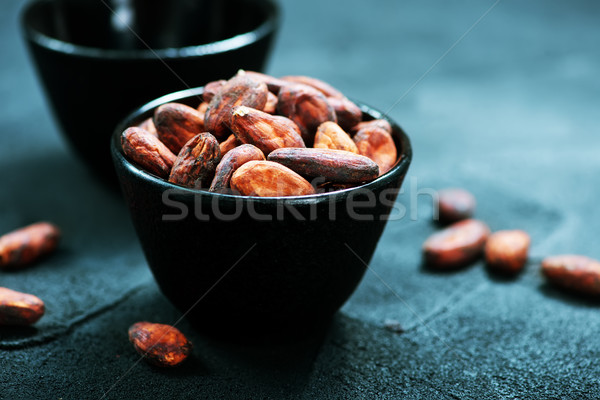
(257, 135)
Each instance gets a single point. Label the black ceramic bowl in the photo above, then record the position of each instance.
(252, 265)
(96, 67)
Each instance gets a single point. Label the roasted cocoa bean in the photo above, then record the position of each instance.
(378, 145)
(265, 131)
(176, 124)
(347, 113)
(18, 308)
(307, 107)
(231, 162)
(229, 144)
(269, 179)
(196, 163)
(576, 273)
(160, 344)
(333, 165)
(331, 136)
(506, 251)
(455, 204)
(457, 245)
(25, 246)
(240, 90)
(148, 151)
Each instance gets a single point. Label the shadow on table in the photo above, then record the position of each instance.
(11, 334)
(504, 277)
(428, 269)
(569, 296)
(249, 363)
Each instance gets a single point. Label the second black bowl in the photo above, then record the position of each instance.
(99, 64)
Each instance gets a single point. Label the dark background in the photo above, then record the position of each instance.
(511, 113)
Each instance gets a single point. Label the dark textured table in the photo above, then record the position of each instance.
(511, 113)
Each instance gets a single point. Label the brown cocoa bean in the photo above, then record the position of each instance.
(195, 165)
(333, 165)
(380, 123)
(457, 245)
(148, 126)
(231, 162)
(271, 106)
(331, 136)
(265, 131)
(160, 344)
(240, 90)
(579, 274)
(148, 151)
(307, 107)
(202, 107)
(24, 246)
(176, 124)
(378, 145)
(506, 251)
(455, 204)
(211, 89)
(19, 309)
(347, 113)
(227, 145)
(269, 179)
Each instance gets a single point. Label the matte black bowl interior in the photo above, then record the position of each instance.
(248, 266)
(98, 64)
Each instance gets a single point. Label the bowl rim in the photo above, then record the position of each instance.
(269, 25)
(400, 168)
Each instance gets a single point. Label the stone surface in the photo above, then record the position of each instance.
(510, 114)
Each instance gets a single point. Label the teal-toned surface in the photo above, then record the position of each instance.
(510, 113)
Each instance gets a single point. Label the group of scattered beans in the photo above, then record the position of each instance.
(466, 239)
(160, 344)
